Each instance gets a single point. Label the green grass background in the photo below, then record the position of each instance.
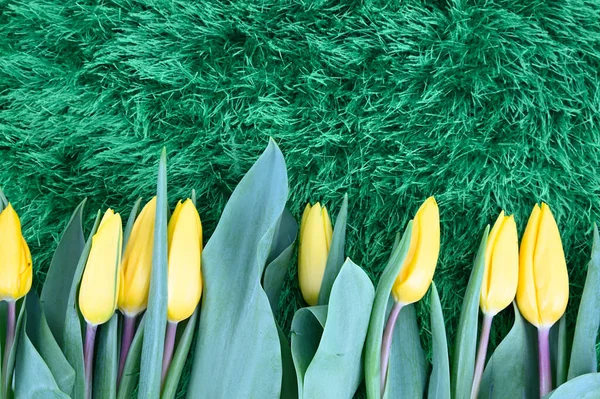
(487, 105)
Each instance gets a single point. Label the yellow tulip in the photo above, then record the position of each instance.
(185, 254)
(416, 274)
(501, 274)
(100, 283)
(315, 240)
(543, 290)
(137, 263)
(15, 258)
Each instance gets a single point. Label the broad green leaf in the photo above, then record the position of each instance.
(59, 280)
(583, 352)
(130, 222)
(336, 368)
(156, 313)
(237, 326)
(106, 364)
(33, 378)
(407, 370)
(586, 386)
(72, 344)
(44, 342)
(379, 313)
(439, 381)
(19, 313)
(512, 371)
(336, 257)
(466, 335)
(289, 386)
(131, 371)
(180, 356)
(307, 328)
(279, 258)
(559, 358)
(3, 200)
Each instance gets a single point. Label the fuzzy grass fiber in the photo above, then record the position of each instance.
(489, 105)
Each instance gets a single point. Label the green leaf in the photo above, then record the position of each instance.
(180, 356)
(279, 258)
(335, 371)
(407, 370)
(586, 386)
(59, 280)
(156, 313)
(130, 222)
(33, 378)
(307, 328)
(583, 352)
(289, 387)
(336, 257)
(439, 381)
(44, 342)
(379, 313)
(20, 311)
(106, 361)
(72, 344)
(131, 371)
(237, 326)
(512, 371)
(466, 335)
(559, 357)
(3, 200)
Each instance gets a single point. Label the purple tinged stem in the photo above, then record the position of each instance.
(386, 343)
(544, 359)
(126, 339)
(88, 357)
(484, 339)
(10, 339)
(169, 346)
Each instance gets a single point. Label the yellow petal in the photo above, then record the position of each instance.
(173, 222)
(15, 258)
(419, 266)
(100, 283)
(137, 262)
(185, 253)
(314, 249)
(501, 275)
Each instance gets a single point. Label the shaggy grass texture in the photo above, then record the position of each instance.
(489, 105)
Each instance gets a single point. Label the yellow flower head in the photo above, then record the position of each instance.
(185, 254)
(501, 274)
(15, 258)
(315, 240)
(416, 274)
(100, 283)
(543, 290)
(137, 263)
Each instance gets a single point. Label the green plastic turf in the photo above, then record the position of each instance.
(488, 105)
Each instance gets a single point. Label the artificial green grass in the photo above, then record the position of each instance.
(489, 105)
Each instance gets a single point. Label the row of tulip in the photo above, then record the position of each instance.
(154, 273)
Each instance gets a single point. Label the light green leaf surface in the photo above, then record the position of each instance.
(439, 381)
(180, 356)
(8, 375)
(512, 371)
(307, 328)
(586, 386)
(559, 356)
(3, 200)
(379, 313)
(106, 360)
(336, 257)
(59, 280)
(279, 258)
(336, 368)
(583, 352)
(44, 342)
(238, 344)
(130, 222)
(289, 386)
(131, 371)
(466, 335)
(156, 313)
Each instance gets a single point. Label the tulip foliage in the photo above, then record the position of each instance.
(122, 307)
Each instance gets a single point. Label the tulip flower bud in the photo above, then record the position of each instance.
(185, 253)
(416, 274)
(315, 240)
(543, 290)
(501, 273)
(137, 263)
(100, 283)
(15, 258)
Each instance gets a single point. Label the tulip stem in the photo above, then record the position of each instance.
(88, 357)
(127, 337)
(484, 339)
(544, 359)
(386, 344)
(169, 345)
(10, 338)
